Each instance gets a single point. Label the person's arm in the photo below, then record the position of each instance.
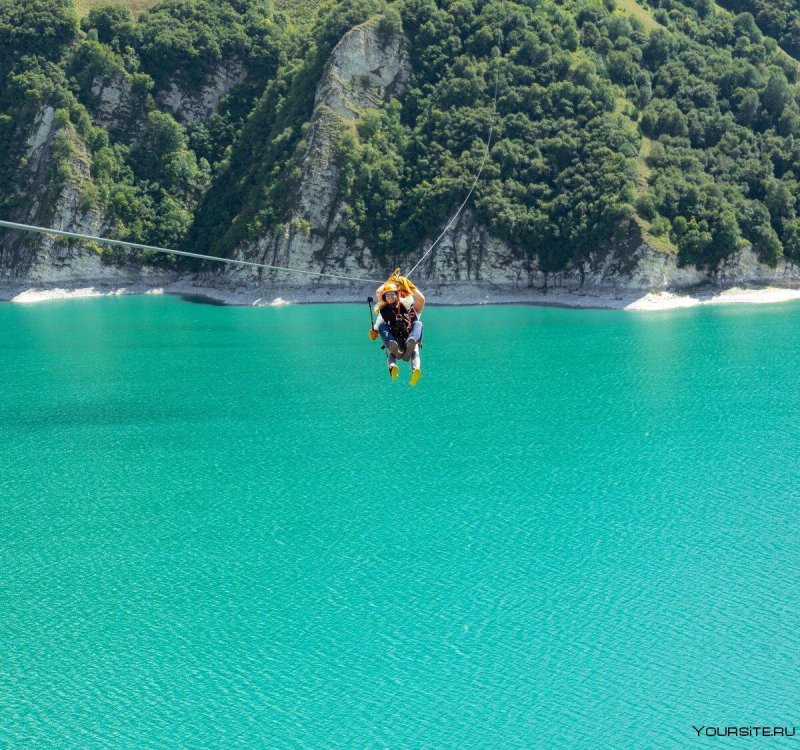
(373, 332)
(419, 298)
(419, 301)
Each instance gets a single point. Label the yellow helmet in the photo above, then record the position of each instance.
(389, 287)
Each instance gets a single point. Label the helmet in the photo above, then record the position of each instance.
(389, 287)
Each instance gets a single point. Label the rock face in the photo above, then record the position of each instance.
(58, 202)
(193, 107)
(469, 256)
(364, 70)
(40, 140)
(113, 106)
(53, 200)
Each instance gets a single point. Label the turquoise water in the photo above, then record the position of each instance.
(228, 528)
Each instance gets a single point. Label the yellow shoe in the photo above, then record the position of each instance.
(415, 375)
(394, 371)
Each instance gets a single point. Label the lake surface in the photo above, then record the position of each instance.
(228, 528)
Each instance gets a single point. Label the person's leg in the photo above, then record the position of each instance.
(391, 361)
(385, 333)
(416, 367)
(413, 340)
(388, 340)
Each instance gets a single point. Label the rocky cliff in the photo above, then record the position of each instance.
(470, 256)
(54, 177)
(365, 70)
(192, 107)
(57, 168)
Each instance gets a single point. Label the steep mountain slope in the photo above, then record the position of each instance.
(621, 138)
(138, 116)
(635, 143)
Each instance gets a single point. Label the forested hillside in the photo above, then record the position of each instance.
(677, 119)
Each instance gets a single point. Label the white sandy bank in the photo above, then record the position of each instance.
(734, 295)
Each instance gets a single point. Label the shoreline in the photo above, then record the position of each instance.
(445, 296)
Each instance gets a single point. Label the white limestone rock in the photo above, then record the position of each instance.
(45, 261)
(190, 107)
(113, 105)
(364, 71)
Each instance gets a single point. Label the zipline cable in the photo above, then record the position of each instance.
(136, 245)
(471, 190)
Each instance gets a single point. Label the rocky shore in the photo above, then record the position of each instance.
(472, 294)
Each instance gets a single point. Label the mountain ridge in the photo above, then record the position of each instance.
(617, 141)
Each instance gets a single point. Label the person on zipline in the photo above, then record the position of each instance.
(398, 323)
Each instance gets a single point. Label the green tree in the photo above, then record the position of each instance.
(777, 94)
(35, 27)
